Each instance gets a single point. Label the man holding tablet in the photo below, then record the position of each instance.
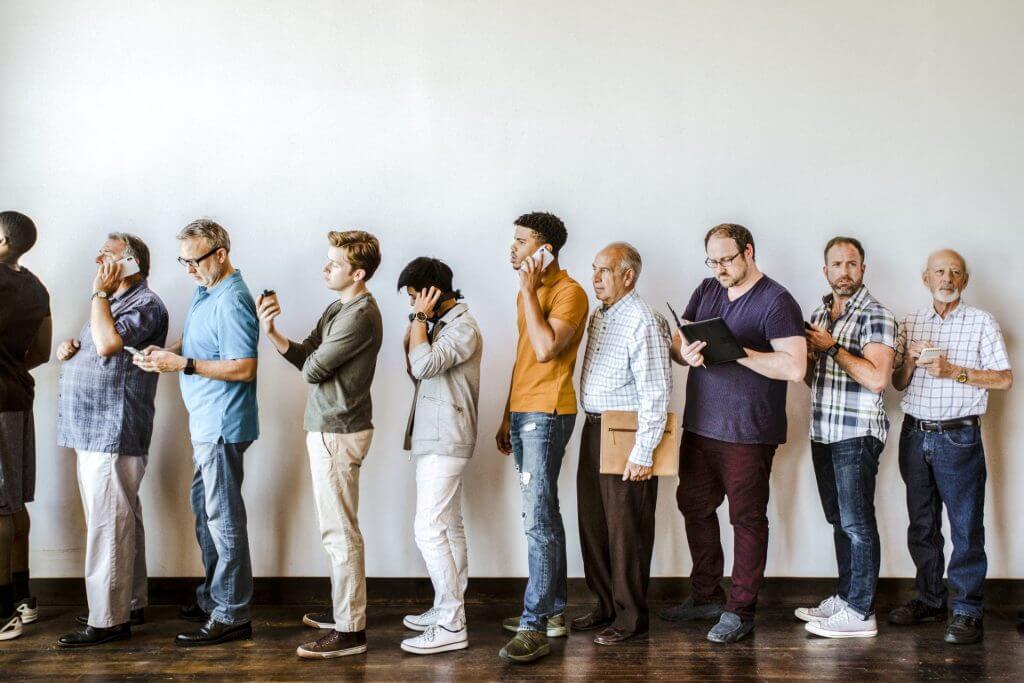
(735, 418)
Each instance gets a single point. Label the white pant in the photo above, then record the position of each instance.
(334, 462)
(115, 544)
(440, 535)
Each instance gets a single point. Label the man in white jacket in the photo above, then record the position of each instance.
(443, 350)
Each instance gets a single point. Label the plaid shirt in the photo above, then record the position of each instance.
(105, 405)
(840, 407)
(970, 338)
(627, 367)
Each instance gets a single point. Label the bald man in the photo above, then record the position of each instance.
(948, 356)
(626, 367)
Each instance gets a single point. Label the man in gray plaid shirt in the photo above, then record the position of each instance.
(850, 342)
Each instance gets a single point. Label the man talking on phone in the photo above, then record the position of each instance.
(105, 413)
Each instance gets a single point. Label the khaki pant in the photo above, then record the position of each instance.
(334, 462)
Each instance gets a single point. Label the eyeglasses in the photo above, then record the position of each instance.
(714, 263)
(194, 262)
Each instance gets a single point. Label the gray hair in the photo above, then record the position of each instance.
(134, 247)
(954, 252)
(629, 258)
(208, 229)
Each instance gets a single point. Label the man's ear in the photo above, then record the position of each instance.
(359, 275)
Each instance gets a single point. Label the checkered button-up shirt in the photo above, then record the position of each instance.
(842, 408)
(106, 405)
(627, 367)
(970, 338)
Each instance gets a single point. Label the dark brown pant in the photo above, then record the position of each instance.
(617, 535)
(710, 470)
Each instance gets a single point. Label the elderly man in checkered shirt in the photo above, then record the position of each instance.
(626, 367)
(949, 355)
(850, 343)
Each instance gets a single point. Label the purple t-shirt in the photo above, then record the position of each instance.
(729, 402)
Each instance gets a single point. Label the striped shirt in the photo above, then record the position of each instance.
(842, 408)
(970, 338)
(627, 367)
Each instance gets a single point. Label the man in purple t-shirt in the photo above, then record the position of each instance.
(735, 418)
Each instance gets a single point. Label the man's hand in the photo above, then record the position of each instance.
(155, 359)
(529, 276)
(940, 367)
(425, 301)
(108, 278)
(917, 347)
(268, 309)
(691, 353)
(819, 339)
(68, 349)
(504, 437)
(636, 472)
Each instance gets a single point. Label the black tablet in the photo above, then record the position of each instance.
(722, 346)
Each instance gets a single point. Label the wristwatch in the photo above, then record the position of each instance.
(420, 316)
(100, 295)
(190, 366)
(962, 377)
(833, 350)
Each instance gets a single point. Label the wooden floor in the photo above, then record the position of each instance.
(779, 650)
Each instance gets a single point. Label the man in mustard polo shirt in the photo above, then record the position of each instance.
(539, 417)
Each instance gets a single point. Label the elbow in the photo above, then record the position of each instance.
(247, 373)
(108, 349)
(545, 356)
(1007, 382)
(796, 373)
(877, 385)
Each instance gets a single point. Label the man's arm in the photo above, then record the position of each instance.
(39, 351)
(999, 380)
(455, 346)
(549, 337)
(652, 371)
(350, 337)
(787, 361)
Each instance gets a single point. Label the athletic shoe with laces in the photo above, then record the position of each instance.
(11, 627)
(420, 622)
(844, 624)
(824, 610)
(28, 610)
(436, 639)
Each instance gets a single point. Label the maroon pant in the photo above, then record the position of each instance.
(710, 470)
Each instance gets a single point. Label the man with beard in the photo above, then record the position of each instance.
(942, 459)
(850, 344)
(734, 420)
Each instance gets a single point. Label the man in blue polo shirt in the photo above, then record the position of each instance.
(217, 359)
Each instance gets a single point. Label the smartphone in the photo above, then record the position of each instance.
(929, 354)
(134, 351)
(543, 257)
(129, 266)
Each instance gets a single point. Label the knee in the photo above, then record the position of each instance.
(22, 524)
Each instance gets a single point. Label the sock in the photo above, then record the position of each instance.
(6, 601)
(20, 584)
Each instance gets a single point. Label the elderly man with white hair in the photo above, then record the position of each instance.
(948, 356)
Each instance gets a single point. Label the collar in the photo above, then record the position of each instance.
(859, 300)
(355, 300)
(453, 313)
(624, 302)
(551, 277)
(220, 287)
(131, 290)
(934, 315)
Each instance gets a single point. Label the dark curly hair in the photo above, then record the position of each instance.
(425, 272)
(548, 227)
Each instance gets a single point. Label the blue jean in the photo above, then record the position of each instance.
(221, 530)
(846, 472)
(946, 467)
(538, 446)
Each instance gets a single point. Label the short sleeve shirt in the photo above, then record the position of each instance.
(728, 401)
(547, 387)
(221, 325)
(24, 304)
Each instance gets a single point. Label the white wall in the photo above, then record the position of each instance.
(434, 124)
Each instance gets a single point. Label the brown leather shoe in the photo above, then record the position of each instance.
(616, 636)
(591, 622)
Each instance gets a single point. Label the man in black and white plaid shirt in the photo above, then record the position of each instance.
(948, 357)
(850, 345)
(626, 367)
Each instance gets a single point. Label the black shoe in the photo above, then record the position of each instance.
(214, 632)
(691, 610)
(964, 629)
(88, 635)
(136, 618)
(194, 613)
(916, 612)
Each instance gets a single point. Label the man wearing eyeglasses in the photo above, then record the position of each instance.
(216, 357)
(735, 418)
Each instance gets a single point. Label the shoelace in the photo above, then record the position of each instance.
(830, 603)
(429, 635)
(839, 618)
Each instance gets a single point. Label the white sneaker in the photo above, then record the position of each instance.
(28, 610)
(12, 629)
(436, 639)
(827, 608)
(421, 622)
(844, 624)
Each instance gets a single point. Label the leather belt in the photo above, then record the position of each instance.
(943, 425)
(593, 418)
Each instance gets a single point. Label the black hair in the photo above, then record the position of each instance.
(19, 230)
(549, 228)
(425, 272)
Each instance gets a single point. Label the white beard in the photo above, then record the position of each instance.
(942, 298)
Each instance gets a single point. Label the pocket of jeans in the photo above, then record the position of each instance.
(963, 438)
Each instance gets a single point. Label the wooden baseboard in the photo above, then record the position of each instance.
(282, 590)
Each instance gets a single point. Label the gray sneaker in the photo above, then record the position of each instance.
(527, 646)
(844, 624)
(824, 610)
(691, 611)
(556, 626)
(730, 628)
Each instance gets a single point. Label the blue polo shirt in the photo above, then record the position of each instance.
(221, 325)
